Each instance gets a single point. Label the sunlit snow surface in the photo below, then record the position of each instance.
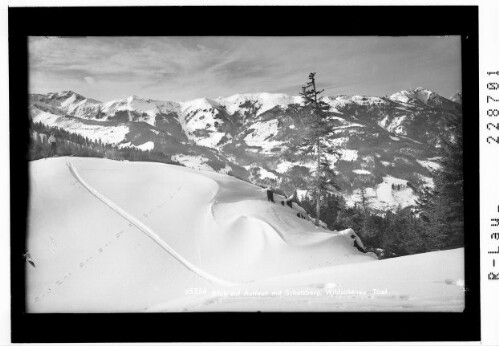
(109, 236)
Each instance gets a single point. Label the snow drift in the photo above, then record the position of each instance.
(109, 236)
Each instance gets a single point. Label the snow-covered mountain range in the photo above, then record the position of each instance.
(383, 141)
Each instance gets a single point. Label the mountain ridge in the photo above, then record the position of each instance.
(234, 98)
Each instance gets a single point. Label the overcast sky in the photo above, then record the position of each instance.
(184, 68)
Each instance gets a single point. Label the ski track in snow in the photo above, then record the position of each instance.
(147, 231)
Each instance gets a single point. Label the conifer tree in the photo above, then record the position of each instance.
(320, 127)
(442, 208)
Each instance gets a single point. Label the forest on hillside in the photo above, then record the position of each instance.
(70, 144)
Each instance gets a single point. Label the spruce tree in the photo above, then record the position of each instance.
(442, 208)
(320, 127)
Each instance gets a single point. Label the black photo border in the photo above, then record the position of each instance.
(241, 21)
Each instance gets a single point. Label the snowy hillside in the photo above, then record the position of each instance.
(93, 130)
(120, 236)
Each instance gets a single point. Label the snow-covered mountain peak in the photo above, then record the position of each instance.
(401, 96)
(424, 94)
(77, 105)
(77, 97)
(262, 101)
(367, 100)
(61, 96)
(132, 98)
(421, 89)
(129, 100)
(68, 102)
(67, 95)
(253, 96)
(202, 120)
(64, 93)
(418, 94)
(457, 97)
(135, 103)
(337, 102)
(137, 100)
(198, 104)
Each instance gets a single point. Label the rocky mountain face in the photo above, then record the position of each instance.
(388, 145)
(457, 98)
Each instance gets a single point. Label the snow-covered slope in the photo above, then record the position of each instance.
(118, 236)
(203, 121)
(427, 282)
(261, 135)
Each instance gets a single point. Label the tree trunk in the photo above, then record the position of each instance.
(318, 189)
(318, 172)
